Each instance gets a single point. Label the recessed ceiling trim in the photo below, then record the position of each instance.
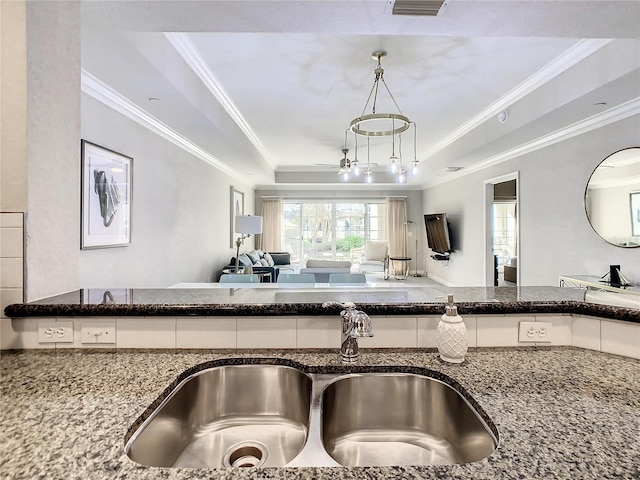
(612, 115)
(97, 89)
(560, 64)
(190, 54)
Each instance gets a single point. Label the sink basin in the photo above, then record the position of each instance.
(228, 416)
(401, 419)
(261, 413)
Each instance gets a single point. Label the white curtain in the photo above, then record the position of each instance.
(397, 230)
(270, 240)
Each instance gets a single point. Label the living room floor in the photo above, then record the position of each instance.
(422, 281)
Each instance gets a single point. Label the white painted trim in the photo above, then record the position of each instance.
(566, 60)
(100, 91)
(190, 54)
(599, 120)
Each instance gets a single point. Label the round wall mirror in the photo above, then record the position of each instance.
(612, 198)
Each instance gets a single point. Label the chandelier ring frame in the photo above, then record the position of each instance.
(358, 125)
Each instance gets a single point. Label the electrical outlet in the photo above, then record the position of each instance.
(534, 332)
(98, 333)
(57, 332)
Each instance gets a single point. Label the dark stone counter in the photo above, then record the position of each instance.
(308, 301)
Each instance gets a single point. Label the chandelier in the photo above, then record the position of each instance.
(377, 124)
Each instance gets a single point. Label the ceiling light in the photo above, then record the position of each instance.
(382, 124)
(345, 164)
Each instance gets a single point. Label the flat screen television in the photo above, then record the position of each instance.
(437, 227)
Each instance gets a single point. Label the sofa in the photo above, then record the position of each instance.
(260, 262)
(321, 269)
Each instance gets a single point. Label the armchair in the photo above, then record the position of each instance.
(376, 258)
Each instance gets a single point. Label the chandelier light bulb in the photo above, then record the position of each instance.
(369, 177)
(356, 169)
(414, 169)
(401, 177)
(394, 167)
(345, 176)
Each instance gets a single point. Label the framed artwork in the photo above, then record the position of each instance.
(634, 200)
(106, 197)
(237, 208)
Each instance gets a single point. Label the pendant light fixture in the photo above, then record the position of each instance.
(345, 165)
(383, 124)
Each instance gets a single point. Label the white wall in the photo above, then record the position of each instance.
(13, 105)
(609, 211)
(53, 135)
(180, 216)
(556, 237)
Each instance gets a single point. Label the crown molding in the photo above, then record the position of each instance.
(560, 64)
(191, 55)
(100, 91)
(612, 115)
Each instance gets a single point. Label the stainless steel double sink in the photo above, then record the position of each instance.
(273, 415)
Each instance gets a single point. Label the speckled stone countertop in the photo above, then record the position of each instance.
(562, 413)
(300, 301)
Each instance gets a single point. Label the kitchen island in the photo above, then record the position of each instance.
(561, 412)
(375, 299)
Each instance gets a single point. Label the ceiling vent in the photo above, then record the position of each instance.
(417, 7)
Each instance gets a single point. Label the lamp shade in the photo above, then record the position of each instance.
(248, 224)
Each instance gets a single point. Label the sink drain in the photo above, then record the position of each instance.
(246, 454)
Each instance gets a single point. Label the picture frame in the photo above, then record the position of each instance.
(634, 203)
(106, 189)
(237, 208)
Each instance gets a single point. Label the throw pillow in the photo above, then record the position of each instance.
(260, 253)
(269, 259)
(264, 263)
(376, 251)
(253, 255)
(244, 260)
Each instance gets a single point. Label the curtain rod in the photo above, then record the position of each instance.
(295, 197)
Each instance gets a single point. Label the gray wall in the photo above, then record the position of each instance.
(556, 237)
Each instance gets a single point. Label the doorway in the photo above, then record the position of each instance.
(502, 231)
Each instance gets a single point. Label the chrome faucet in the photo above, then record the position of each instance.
(355, 324)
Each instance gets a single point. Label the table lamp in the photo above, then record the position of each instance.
(246, 225)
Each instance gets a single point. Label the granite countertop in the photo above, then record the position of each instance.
(562, 413)
(390, 300)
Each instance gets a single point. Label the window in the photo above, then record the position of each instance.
(331, 229)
